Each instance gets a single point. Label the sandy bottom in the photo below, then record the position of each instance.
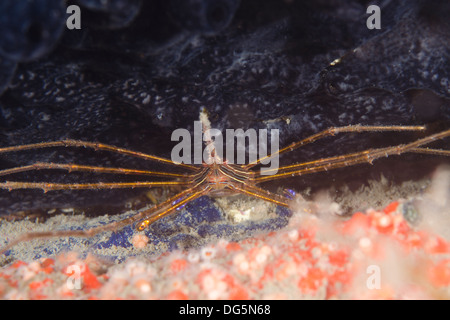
(396, 246)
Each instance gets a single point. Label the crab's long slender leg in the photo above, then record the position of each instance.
(314, 163)
(75, 167)
(436, 152)
(333, 131)
(261, 194)
(95, 146)
(185, 180)
(148, 216)
(367, 156)
(48, 186)
(169, 206)
(347, 157)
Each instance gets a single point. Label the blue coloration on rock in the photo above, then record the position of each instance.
(201, 222)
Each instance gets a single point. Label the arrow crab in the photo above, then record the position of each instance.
(212, 178)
